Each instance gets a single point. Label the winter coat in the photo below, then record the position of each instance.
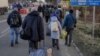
(69, 21)
(37, 25)
(55, 35)
(11, 15)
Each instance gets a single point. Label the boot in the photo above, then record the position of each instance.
(57, 41)
(53, 43)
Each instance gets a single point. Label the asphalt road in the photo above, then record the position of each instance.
(22, 48)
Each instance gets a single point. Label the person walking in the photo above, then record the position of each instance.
(55, 28)
(46, 13)
(59, 13)
(14, 20)
(69, 24)
(35, 22)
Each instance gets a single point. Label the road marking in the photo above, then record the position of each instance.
(3, 21)
(3, 33)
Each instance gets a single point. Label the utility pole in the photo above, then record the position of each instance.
(93, 21)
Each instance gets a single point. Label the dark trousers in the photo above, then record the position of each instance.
(33, 45)
(55, 42)
(68, 40)
(47, 18)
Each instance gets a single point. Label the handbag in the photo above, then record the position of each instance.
(26, 33)
(63, 34)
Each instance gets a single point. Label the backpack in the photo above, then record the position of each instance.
(14, 20)
(54, 26)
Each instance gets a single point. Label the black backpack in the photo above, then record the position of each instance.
(14, 20)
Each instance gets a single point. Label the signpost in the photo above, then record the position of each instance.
(87, 3)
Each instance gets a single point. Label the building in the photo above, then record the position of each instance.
(3, 6)
(3, 3)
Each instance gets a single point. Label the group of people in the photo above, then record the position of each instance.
(34, 22)
(16, 5)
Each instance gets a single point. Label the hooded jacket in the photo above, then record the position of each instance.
(11, 16)
(36, 22)
(55, 35)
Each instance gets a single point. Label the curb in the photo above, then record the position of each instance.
(78, 50)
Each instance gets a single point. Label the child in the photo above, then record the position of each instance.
(55, 28)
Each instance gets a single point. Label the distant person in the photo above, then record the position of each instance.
(69, 24)
(46, 13)
(14, 5)
(77, 14)
(40, 10)
(34, 22)
(19, 6)
(14, 21)
(59, 14)
(55, 28)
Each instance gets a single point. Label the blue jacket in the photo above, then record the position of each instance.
(69, 21)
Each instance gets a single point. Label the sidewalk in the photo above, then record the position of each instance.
(68, 51)
(64, 50)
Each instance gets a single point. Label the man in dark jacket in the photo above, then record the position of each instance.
(40, 8)
(69, 24)
(36, 22)
(14, 21)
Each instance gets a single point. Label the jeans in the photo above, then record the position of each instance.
(14, 34)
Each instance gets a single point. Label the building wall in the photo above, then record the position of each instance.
(3, 3)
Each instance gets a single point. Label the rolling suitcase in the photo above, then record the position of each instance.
(42, 51)
(39, 52)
